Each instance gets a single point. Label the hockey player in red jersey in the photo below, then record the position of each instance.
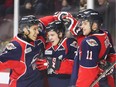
(59, 54)
(94, 46)
(21, 53)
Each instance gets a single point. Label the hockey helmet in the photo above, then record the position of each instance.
(79, 15)
(92, 16)
(28, 21)
(56, 26)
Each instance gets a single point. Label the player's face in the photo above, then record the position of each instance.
(53, 37)
(86, 27)
(33, 32)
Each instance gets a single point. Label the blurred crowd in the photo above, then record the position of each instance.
(41, 8)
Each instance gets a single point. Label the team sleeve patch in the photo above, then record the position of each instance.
(10, 46)
(92, 42)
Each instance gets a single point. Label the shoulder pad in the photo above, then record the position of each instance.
(10, 46)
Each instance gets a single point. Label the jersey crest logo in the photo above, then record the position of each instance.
(48, 52)
(92, 42)
(10, 46)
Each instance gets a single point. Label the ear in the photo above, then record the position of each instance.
(60, 35)
(94, 26)
(26, 31)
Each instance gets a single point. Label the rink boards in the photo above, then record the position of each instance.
(4, 78)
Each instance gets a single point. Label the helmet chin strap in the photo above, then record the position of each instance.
(28, 39)
(28, 30)
(60, 39)
(26, 36)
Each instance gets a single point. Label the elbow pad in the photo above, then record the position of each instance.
(46, 20)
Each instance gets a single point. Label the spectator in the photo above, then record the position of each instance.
(83, 5)
(44, 7)
(41, 7)
(107, 9)
(26, 9)
(66, 5)
(71, 6)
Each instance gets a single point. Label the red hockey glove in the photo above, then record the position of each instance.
(72, 24)
(59, 15)
(41, 64)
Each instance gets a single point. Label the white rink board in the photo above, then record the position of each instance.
(4, 77)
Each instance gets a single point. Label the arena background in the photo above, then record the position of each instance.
(9, 20)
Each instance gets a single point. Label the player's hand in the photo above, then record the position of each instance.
(42, 64)
(59, 15)
(73, 25)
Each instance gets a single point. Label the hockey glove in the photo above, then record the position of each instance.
(73, 25)
(42, 64)
(54, 64)
(48, 63)
(59, 15)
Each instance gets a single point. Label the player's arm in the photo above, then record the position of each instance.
(10, 57)
(74, 75)
(112, 54)
(46, 20)
(68, 61)
(88, 69)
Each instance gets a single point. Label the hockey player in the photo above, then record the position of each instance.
(59, 54)
(21, 53)
(94, 46)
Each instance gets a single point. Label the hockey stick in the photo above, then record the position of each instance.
(103, 74)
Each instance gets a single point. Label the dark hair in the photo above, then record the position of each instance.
(56, 26)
